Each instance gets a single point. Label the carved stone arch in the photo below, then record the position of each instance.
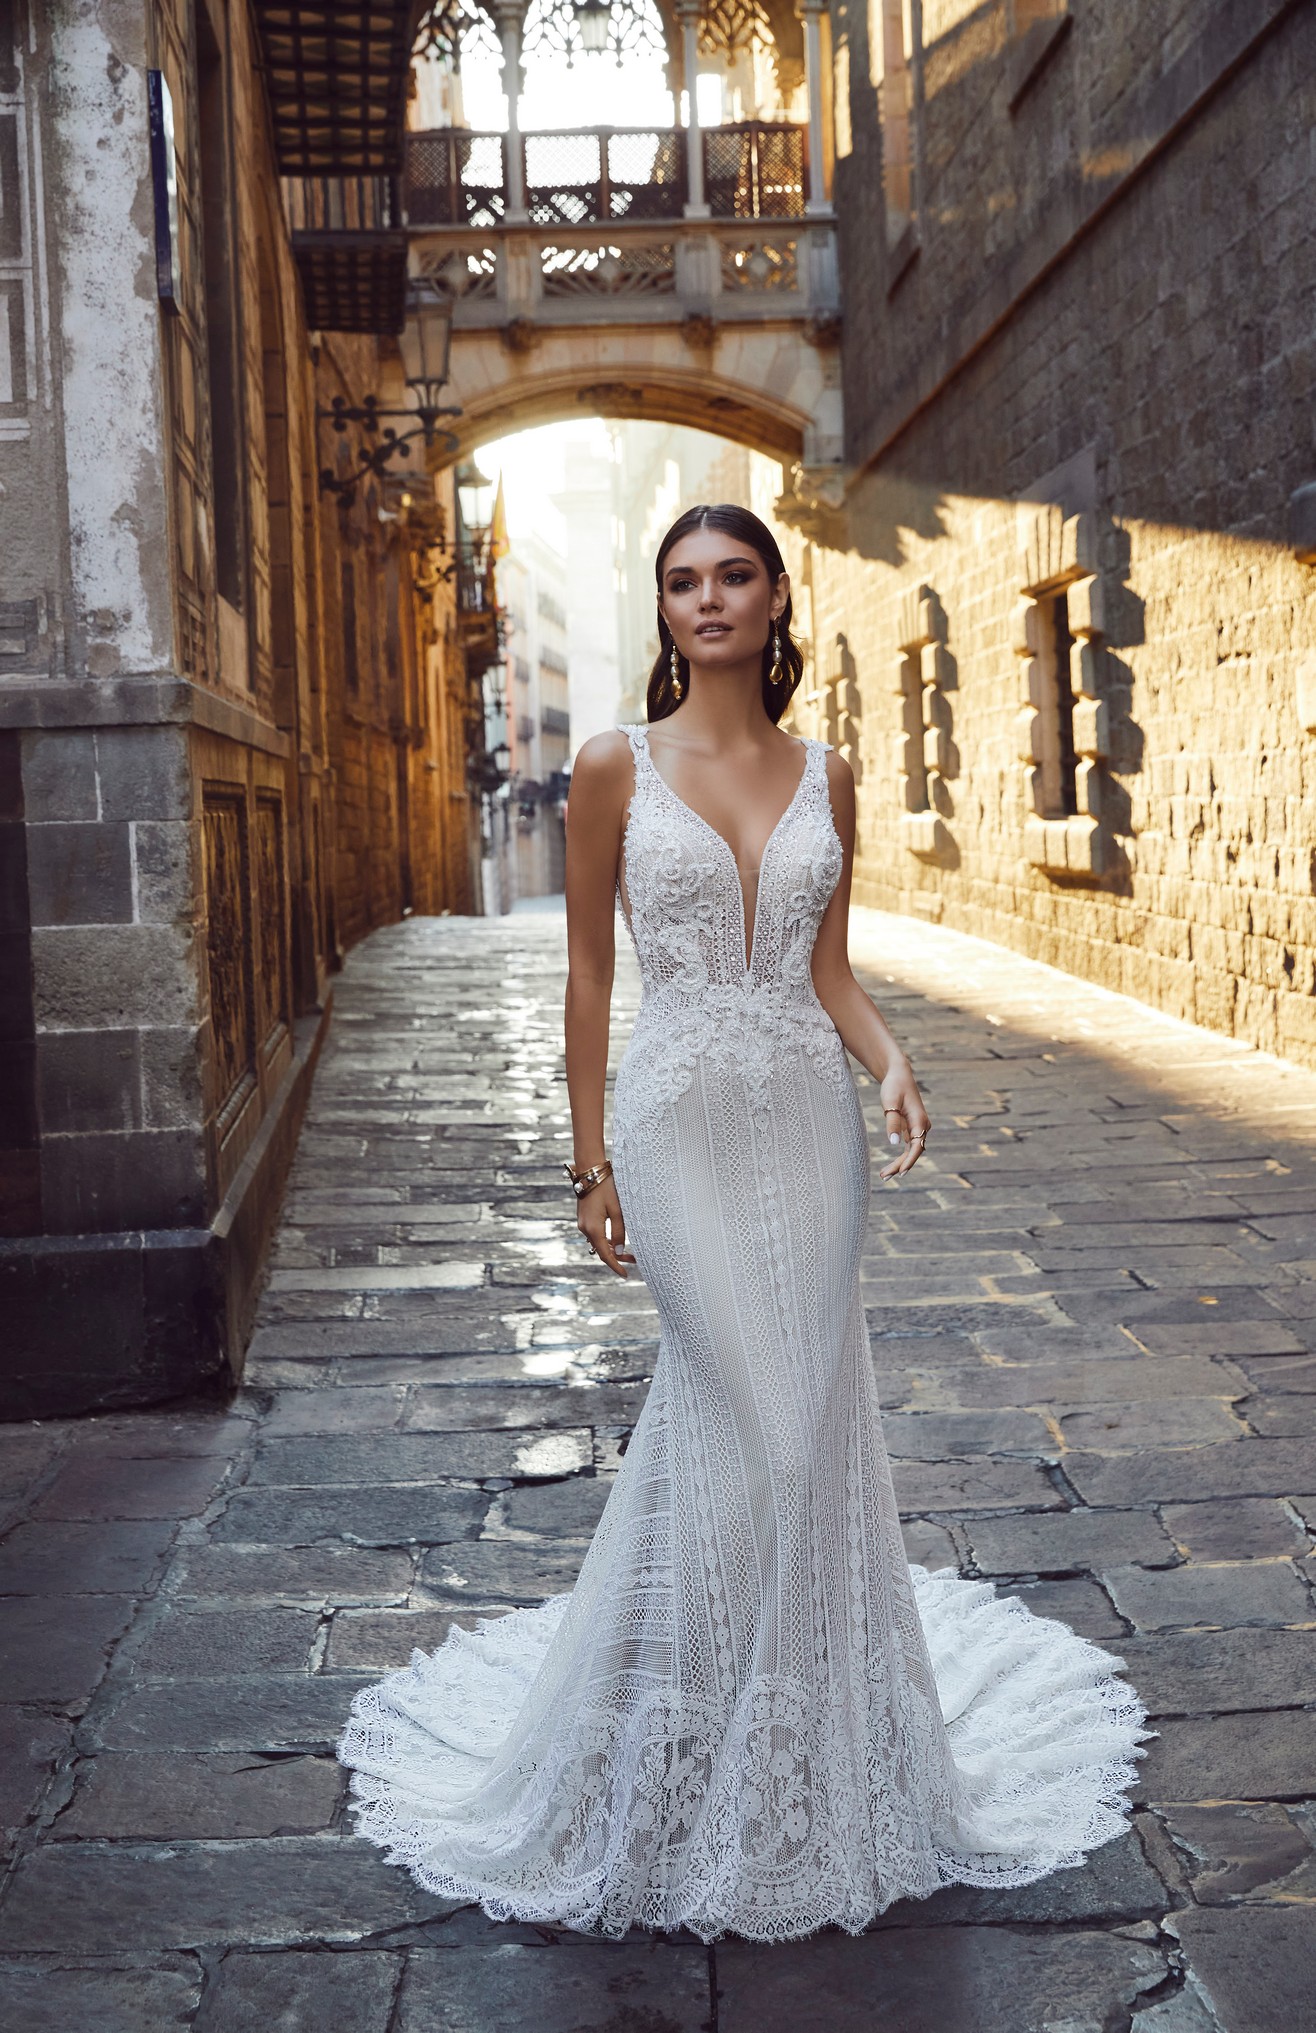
(551, 392)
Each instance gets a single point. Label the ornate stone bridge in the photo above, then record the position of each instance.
(610, 290)
(684, 274)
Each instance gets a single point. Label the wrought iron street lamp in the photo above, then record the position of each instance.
(490, 769)
(426, 344)
(474, 496)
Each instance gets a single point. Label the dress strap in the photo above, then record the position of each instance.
(638, 736)
(815, 761)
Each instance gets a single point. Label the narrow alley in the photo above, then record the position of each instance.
(1093, 1310)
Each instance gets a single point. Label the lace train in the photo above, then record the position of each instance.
(1043, 1735)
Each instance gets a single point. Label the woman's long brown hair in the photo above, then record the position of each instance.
(728, 520)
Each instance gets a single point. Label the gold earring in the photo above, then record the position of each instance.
(678, 689)
(775, 674)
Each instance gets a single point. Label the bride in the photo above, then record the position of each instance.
(750, 1714)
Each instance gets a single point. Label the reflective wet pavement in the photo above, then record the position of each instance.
(1094, 1316)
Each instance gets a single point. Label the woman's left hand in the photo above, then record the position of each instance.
(905, 1116)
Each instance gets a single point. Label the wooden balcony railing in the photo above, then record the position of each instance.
(595, 176)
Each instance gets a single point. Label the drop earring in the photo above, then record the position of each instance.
(678, 689)
(774, 675)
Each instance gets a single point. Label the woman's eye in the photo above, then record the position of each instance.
(736, 578)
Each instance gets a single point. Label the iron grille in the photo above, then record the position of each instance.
(755, 170)
(595, 175)
(455, 178)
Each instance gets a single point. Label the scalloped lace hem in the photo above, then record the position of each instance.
(772, 1820)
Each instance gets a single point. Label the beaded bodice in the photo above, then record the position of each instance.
(686, 904)
(685, 907)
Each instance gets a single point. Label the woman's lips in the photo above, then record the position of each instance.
(713, 628)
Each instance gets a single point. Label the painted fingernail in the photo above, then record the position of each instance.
(893, 1138)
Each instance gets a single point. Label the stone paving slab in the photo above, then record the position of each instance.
(1093, 1318)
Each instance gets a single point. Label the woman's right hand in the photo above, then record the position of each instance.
(599, 1219)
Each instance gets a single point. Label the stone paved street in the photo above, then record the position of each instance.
(1094, 1315)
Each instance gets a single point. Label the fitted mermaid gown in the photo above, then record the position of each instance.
(750, 1714)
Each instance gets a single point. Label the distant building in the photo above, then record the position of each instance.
(587, 504)
(533, 591)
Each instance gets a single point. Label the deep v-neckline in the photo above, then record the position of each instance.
(749, 926)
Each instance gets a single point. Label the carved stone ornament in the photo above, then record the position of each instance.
(729, 26)
(447, 27)
(634, 27)
(814, 504)
(824, 330)
(520, 335)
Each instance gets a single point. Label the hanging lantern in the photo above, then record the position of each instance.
(593, 25)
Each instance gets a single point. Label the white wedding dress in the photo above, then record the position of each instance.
(750, 1714)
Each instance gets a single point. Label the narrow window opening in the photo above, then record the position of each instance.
(221, 320)
(915, 772)
(1059, 763)
(351, 660)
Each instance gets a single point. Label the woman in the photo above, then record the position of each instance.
(750, 1714)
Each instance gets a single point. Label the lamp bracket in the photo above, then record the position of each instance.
(370, 415)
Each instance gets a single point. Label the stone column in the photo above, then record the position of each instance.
(687, 13)
(810, 13)
(510, 15)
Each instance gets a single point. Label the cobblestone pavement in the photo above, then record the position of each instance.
(1094, 1313)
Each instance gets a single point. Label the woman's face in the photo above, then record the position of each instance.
(718, 598)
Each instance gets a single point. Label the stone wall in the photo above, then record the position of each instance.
(1089, 385)
(203, 797)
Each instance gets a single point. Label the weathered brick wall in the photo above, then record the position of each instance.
(1156, 379)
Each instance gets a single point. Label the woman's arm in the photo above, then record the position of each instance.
(600, 785)
(861, 1025)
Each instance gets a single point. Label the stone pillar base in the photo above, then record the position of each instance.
(93, 1323)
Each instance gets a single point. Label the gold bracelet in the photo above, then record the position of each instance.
(585, 1182)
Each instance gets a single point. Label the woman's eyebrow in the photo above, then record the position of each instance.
(675, 571)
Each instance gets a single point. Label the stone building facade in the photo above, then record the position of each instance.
(532, 594)
(234, 712)
(1064, 614)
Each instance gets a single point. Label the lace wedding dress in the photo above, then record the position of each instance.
(750, 1714)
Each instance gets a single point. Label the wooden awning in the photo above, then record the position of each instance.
(336, 72)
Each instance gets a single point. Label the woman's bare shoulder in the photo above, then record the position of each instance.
(603, 763)
(839, 773)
